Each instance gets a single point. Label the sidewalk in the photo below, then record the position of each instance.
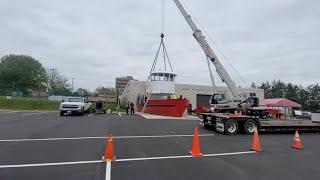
(153, 116)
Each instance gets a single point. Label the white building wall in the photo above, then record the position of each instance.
(187, 91)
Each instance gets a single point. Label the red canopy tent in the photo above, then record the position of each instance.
(281, 102)
(285, 106)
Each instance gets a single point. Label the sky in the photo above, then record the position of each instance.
(96, 41)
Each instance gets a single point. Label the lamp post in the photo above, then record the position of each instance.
(72, 90)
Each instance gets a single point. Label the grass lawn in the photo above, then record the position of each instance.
(28, 104)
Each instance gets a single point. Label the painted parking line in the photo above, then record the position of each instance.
(187, 156)
(49, 164)
(8, 112)
(90, 114)
(102, 137)
(121, 160)
(35, 113)
(108, 170)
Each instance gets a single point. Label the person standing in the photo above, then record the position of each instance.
(128, 107)
(132, 108)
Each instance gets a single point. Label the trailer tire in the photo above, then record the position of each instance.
(249, 126)
(231, 127)
(205, 122)
(206, 125)
(263, 115)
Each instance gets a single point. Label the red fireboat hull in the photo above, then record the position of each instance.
(165, 107)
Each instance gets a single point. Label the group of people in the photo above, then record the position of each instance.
(130, 106)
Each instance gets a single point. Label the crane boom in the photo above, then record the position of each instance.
(225, 77)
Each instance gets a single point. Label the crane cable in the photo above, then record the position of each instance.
(162, 34)
(162, 47)
(162, 17)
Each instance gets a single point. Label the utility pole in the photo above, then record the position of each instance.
(52, 70)
(72, 90)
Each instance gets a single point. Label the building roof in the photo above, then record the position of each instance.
(281, 102)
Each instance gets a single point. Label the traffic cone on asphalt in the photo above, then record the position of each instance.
(256, 142)
(297, 141)
(195, 150)
(109, 154)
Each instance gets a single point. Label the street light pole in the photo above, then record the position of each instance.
(52, 70)
(72, 90)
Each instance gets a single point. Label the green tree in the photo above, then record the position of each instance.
(82, 92)
(308, 97)
(253, 85)
(292, 92)
(278, 89)
(58, 84)
(267, 89)
(304, 97)
(314, 97)
(22, 73)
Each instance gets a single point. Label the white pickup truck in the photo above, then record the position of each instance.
(75, 105)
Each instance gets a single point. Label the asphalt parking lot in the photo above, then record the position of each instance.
(31, 141)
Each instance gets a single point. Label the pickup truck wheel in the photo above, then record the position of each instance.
(231, 127)
(249, 126)
(61, 113)
(91, 111)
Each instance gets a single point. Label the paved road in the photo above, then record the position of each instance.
(278, 161)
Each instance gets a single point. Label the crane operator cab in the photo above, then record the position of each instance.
(217, 98)
(253, 101)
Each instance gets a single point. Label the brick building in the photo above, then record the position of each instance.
(121, 83)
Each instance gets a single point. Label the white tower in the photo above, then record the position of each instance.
(161, 83)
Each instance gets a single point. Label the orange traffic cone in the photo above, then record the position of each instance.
(109, 154)
(296, 141)
(256, 142)
(195, 150)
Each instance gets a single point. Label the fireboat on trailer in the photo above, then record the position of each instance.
(160, 97)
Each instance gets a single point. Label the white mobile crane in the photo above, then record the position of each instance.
(246, 105)
(248, 102)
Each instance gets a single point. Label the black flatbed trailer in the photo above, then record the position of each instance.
(289, 125)
(234, 123)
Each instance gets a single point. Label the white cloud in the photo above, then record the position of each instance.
(96, 41)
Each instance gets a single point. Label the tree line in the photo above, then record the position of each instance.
(25, 74)
(308, 97)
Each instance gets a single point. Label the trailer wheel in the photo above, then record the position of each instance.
(231, 127)
(249, 126)
(206, 125)
(205, 122)
(263, 116)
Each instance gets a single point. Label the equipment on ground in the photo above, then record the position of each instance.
(100, 107)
